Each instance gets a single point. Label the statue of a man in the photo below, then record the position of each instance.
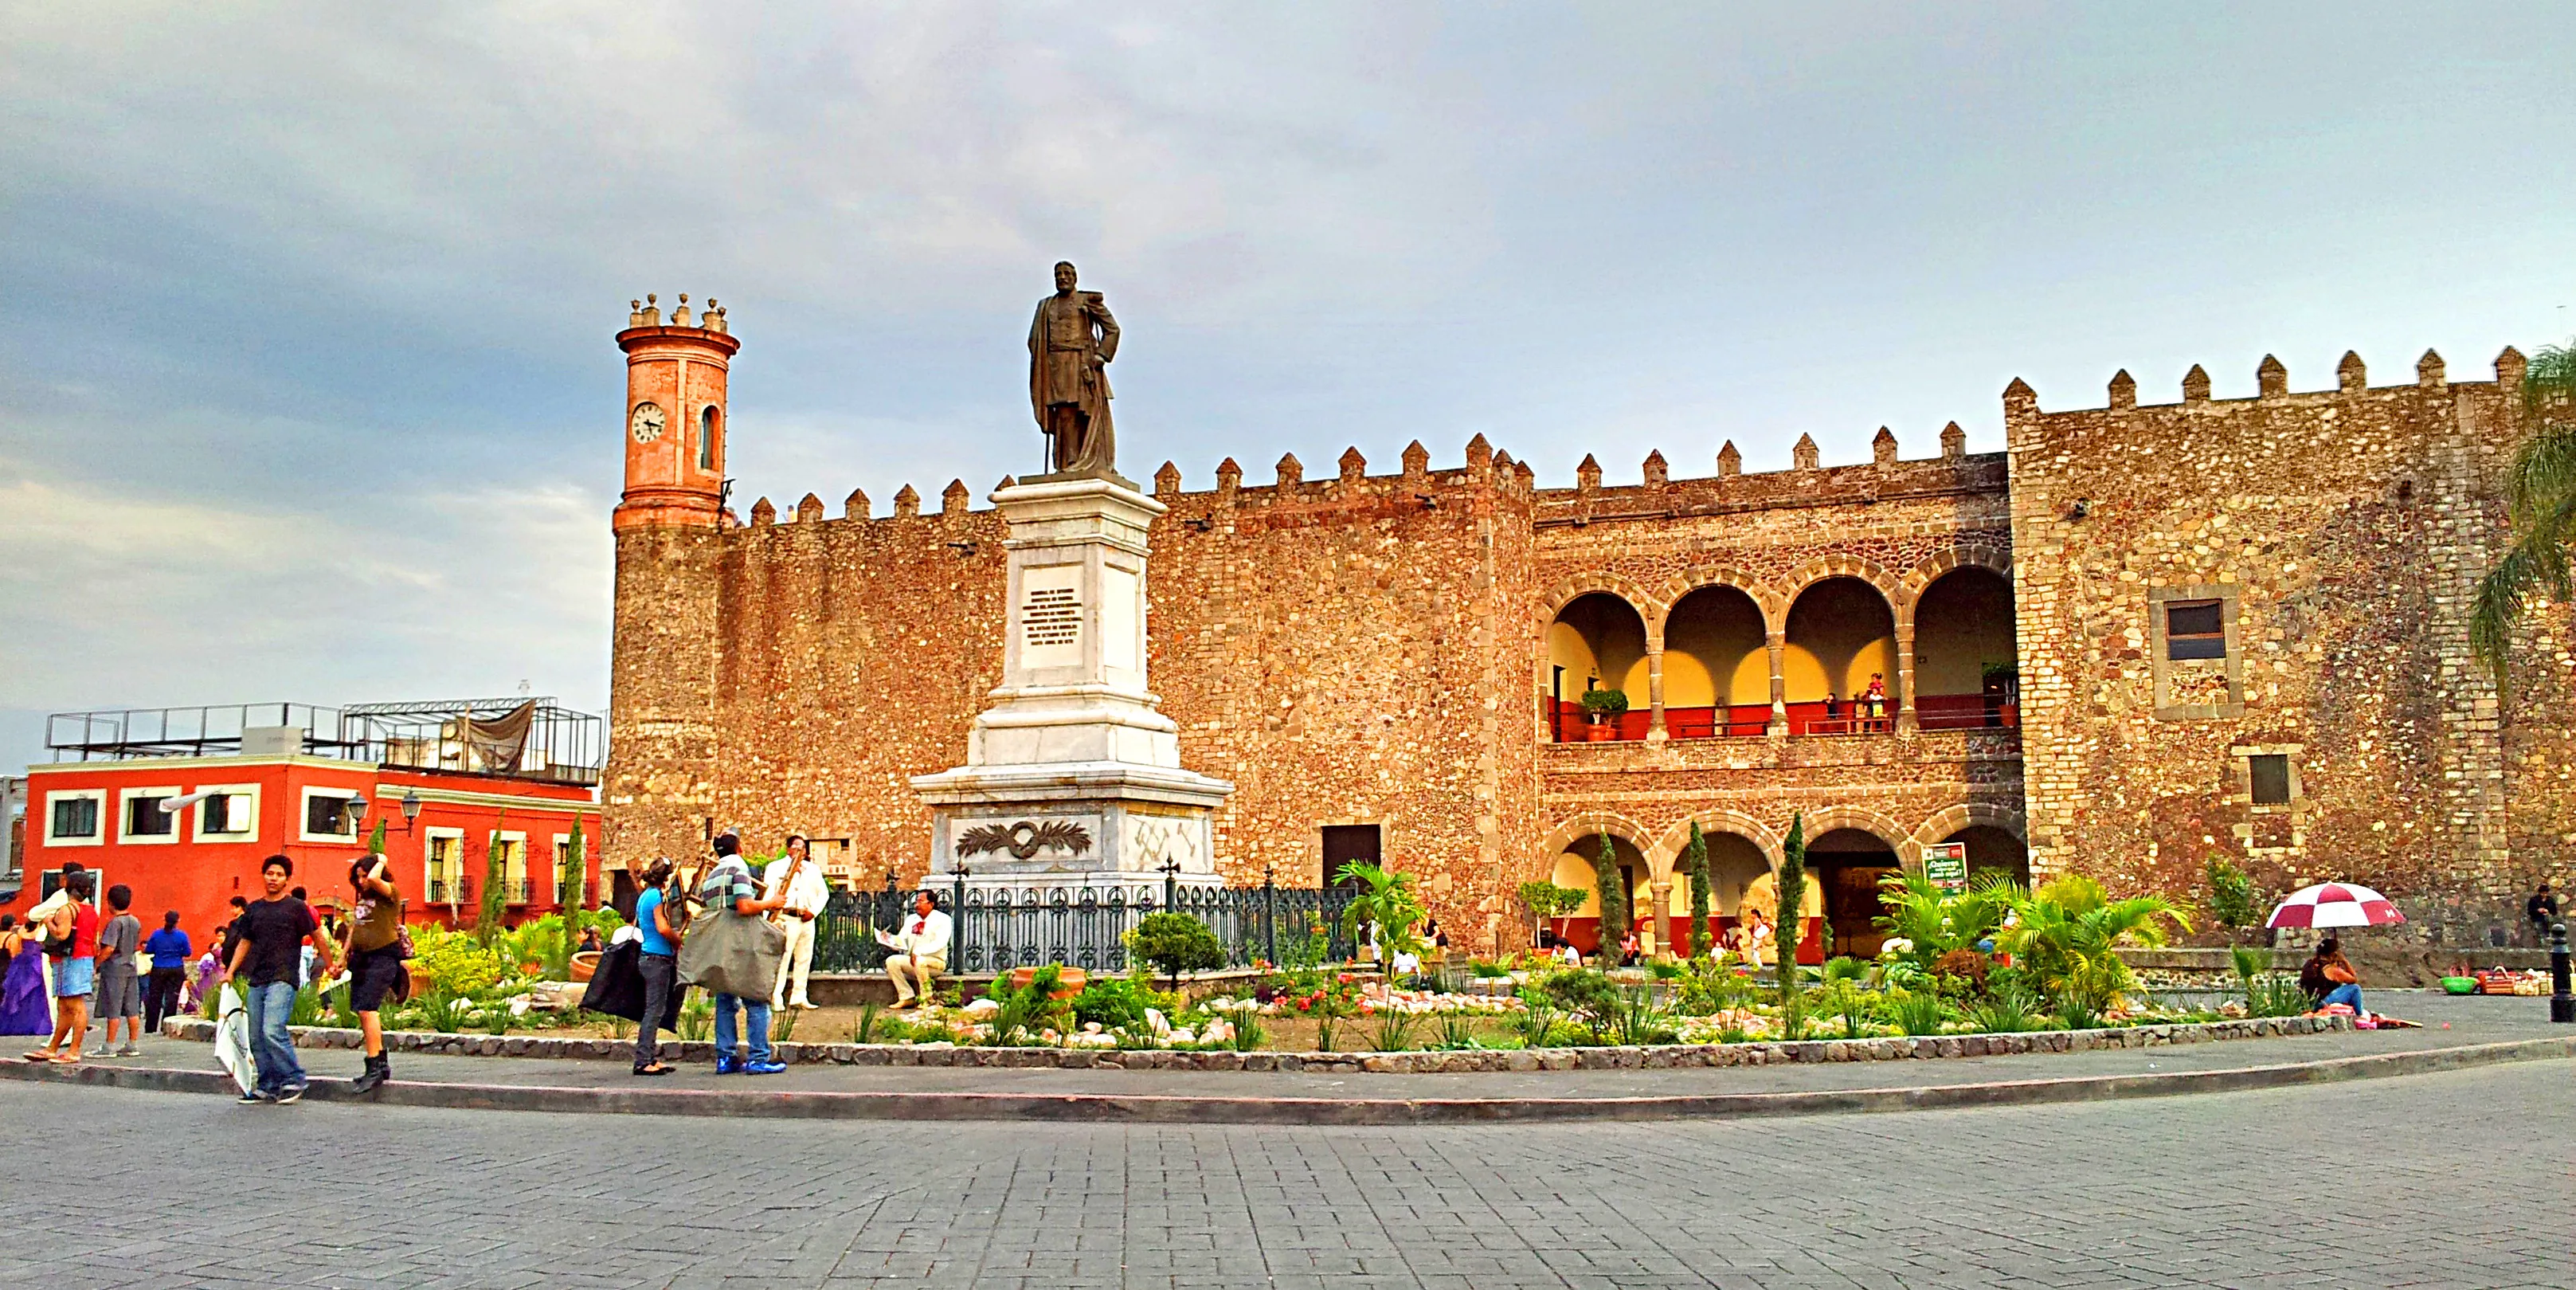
(1070, 343)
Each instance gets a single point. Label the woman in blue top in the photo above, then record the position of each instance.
(169, 950)
(658, 964)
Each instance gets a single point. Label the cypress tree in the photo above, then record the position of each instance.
(1790, 927)
(1615, 918)
(1695, 861)
(488, 916)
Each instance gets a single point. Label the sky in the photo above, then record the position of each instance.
(308, 391)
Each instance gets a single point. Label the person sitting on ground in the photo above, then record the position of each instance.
(2542, 910)
(920, 951)
(1629, 948)
(2328, 978)
(589, 942)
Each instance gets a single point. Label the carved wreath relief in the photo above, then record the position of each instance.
(1025, 839)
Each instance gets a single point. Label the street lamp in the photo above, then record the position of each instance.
(355, 812)
(410, 808)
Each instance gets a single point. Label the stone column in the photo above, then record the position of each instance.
(1777, 643)
(1660, 891)
(1655, 690)
(1905, 682)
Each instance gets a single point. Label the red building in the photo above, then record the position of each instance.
(182, 804)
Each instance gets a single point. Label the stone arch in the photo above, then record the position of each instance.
(1950, 819)
(1578, 827)
(1838, 565)
(1920, 578)
(1898, 838)
(1610, 584)
(1669, 844)
(1764, 594)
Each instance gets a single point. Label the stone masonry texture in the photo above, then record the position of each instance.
(1359, 648)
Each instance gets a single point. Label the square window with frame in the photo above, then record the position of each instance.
(72, 818)
(227, 812)
(144, 817)
(2268, 778)
(327, 816)
(2195, 629)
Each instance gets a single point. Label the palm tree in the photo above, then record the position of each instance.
(1937, 922)
(1386, 902)
(2070, 932)
(2540, 496)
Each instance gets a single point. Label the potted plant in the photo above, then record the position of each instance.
(2003, 693)
(1602, 709)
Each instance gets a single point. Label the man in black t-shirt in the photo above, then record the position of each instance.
(2542, 910)
(268, 942)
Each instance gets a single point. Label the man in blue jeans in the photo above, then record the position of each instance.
(269, 943)
(730, 884)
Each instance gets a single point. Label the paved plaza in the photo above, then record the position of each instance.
(2452, 1180)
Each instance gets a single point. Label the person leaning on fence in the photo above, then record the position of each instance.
(920, 951)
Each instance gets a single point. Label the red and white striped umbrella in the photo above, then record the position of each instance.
(2335, 904)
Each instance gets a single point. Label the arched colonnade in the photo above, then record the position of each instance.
(1849, 849)
(1840, 646)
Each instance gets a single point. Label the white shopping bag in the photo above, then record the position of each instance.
(232, 1038)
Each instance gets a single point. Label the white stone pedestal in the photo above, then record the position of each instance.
(1072, 776)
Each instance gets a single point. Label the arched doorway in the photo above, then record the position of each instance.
(1840, 637)
(1994, 850)
(1717, 670)
(1575, 868)
(1736, 867)
(1597, 641)
(1966, 673)
(1848, 865)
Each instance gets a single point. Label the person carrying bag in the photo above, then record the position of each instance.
(735, 954)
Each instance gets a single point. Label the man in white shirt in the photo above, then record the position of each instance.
(805, 895)
(920, 951)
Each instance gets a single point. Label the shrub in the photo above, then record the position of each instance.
(2267, 994)
(1537, 1017)
(1030, 1008)
(2232, 901)
(1588, 997)
(1970, 966)
(1175, 943)
(1917, 1012)
(1113, 1002)
(1393, 1032)
(1604, 704)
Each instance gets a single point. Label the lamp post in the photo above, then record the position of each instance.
(410, 808)
(2562, 1005)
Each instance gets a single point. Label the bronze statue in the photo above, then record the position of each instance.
(1070, 343)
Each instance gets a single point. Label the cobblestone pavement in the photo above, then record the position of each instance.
(2450, 1180)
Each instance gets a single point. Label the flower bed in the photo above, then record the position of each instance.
(1631, 1057)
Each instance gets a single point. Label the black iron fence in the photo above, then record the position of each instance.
(996, 928)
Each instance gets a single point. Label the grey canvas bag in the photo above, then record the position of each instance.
(730, 953)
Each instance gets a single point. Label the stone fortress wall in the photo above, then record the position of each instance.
(1385, 650)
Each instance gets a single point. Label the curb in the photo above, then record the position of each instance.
(1172, 1109)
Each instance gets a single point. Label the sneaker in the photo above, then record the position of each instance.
(290, 1093)
(129, 1051)
(252, 1098)
(763, 1068)
(728, 1066)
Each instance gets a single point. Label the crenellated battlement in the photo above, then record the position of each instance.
(2272, 385)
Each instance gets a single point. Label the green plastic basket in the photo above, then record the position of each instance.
(2460, 984)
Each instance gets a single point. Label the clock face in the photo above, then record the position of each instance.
(648, 422)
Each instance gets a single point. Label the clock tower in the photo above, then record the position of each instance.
(669, 526)
(675, 415)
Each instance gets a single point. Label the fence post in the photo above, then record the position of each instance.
(1270, 913)
(957, 923)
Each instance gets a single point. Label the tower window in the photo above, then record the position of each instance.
(709, 421)
(2269, 774)
(2195, 629)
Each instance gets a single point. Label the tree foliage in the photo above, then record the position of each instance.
(1386, 901)
(492, 913)
(1791, 927)
(2540, 500)
(1695, 864)
(2232, 901)
(1613, 885)
(1175, 943)
(2068, 935)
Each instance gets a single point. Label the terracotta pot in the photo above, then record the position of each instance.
(1068, 983)
(584, 964)
(1600, 732)
(2009, 714)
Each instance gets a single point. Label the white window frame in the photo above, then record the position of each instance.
(429, 840)
(304, 813)
(251, 833)
(97, 795)
(512, 884)
(557, 855)
(125, 817)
